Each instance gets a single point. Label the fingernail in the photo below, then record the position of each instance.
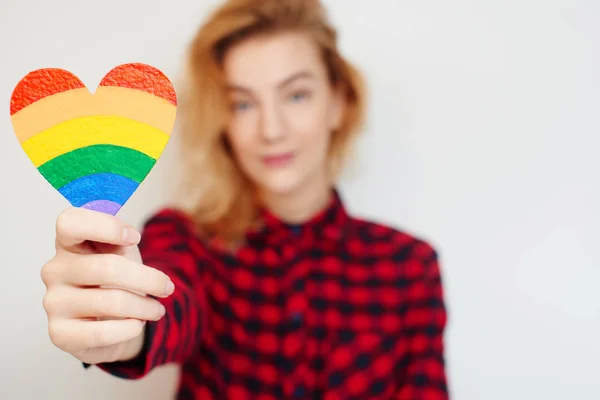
(162, 310)
(130, 235)
(169, 288)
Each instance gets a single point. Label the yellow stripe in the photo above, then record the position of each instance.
(88, 131)
(107, 100)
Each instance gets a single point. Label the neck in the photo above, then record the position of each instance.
(300, 205)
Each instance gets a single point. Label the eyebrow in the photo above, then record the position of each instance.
(285, 82)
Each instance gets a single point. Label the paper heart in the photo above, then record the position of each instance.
(94, 149)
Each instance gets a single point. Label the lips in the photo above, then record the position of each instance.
(278, 160)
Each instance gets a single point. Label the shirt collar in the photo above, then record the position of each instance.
(329, 223)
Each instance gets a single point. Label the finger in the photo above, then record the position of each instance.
(98, 355)
(105, 248)
(104, 303)
(103, 354)
(118, 271)
(130, 252)
(75, 226)
(74, 335)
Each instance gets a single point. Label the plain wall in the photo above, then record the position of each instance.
(483, 138)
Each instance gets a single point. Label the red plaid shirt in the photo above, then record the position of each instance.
(337, 308)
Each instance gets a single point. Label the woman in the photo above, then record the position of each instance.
(264, 287)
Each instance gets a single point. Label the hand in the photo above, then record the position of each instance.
(96, 287)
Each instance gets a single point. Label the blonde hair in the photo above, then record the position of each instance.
(217, 195)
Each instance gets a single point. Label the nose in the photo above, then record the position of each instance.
(272, 122)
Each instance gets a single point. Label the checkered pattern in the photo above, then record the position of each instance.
(337, 308)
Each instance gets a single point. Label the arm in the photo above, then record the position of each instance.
(168, 245)
(423, 375)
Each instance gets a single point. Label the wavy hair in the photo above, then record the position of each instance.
(215, 193)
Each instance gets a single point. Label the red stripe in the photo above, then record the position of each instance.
(141, 77)
(42, 83)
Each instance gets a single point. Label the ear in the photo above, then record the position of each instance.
(337, 109)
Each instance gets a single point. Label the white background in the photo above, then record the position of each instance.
(483, 138)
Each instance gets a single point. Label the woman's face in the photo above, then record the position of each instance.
(283, 111)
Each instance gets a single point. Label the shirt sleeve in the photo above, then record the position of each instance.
(168, 245)
(423, 374)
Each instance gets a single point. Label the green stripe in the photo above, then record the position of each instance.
(94, 159)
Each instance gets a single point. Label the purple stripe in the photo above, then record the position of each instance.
(104, 206)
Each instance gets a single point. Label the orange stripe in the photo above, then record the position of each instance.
(107, 101)
(42, 83)
(141, 77)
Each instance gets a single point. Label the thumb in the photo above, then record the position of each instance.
(131, 252)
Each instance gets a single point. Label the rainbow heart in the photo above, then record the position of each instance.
(94, 149)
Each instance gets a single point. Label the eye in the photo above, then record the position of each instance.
(299, 96)
(240, 105)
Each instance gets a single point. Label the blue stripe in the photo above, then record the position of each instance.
(101, 186)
